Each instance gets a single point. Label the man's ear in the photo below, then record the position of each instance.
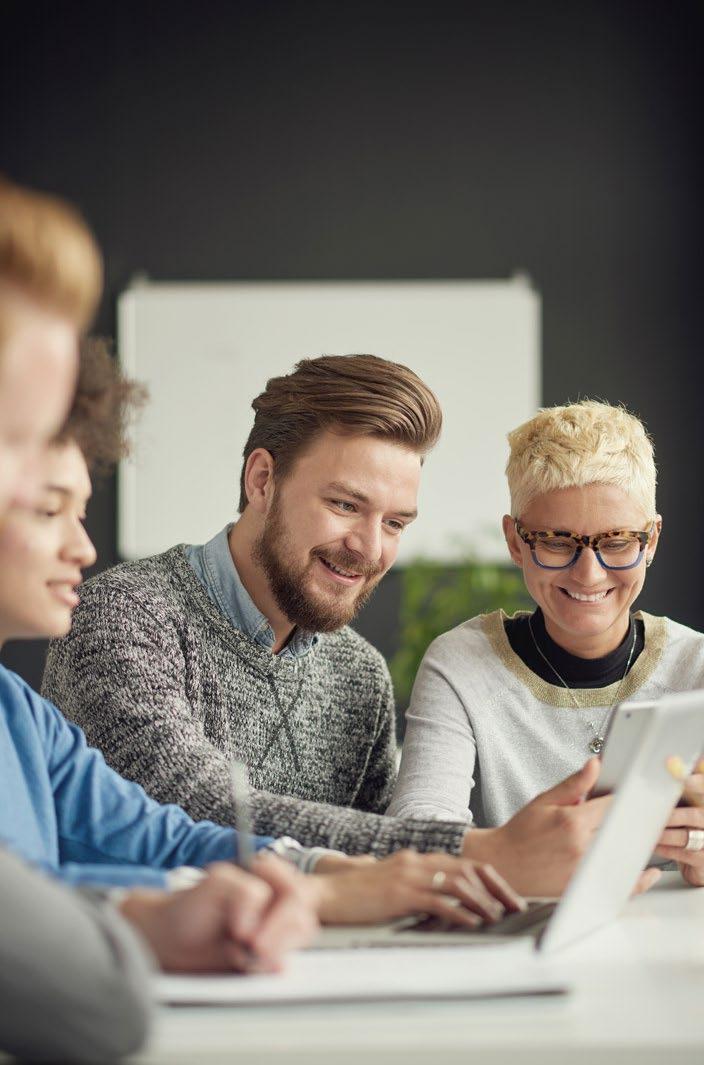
(513, 540)
(259, 480)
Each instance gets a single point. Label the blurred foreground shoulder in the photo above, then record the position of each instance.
(74, 978)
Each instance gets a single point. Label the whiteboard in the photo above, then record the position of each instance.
(206, 350)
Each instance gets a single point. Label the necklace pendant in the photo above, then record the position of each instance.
(596, 745)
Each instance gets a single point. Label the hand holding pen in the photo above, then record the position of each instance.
(287, 897)
(232, 919)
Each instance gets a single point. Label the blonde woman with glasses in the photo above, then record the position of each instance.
(505, 707)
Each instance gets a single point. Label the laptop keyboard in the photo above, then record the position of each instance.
(512, 924)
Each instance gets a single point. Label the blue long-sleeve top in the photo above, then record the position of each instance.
(64, 810)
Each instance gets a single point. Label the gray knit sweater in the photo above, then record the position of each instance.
(169, 690)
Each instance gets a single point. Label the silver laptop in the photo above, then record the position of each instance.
(607, 874)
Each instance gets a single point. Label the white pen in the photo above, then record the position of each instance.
(239, 782)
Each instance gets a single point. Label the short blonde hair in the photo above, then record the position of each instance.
(580, 444)
(48, 253)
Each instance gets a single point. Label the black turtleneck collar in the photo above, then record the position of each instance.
(576, 672)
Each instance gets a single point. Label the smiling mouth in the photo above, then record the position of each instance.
(596, 597)
(341, 574)
(66, 592)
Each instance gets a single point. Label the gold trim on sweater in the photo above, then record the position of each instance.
(582, 698)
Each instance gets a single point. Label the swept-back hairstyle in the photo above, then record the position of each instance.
(48, 253)
(579, 444)
(103, 408)
(355, 394)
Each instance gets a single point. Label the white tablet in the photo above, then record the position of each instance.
(629, 724)
(642, 803)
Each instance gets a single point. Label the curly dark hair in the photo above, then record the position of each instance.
(103, 406)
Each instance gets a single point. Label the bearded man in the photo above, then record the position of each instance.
(241, 647)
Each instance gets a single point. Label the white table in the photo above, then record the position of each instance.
(638, 997)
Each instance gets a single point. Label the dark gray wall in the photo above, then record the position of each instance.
(318, 140)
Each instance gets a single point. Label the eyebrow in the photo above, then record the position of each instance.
(62, 490)
(347, 490)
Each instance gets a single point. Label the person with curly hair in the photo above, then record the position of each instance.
(34, 541)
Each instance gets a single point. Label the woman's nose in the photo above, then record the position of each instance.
(587, 569)
(80, 548)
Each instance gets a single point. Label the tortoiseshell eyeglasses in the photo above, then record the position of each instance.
(557, 549)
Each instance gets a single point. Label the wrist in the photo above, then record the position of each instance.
(141, 907)
(481, 845)
(321, 894)
(335, 862)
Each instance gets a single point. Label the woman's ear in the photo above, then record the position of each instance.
(654, 540)
(513, 540)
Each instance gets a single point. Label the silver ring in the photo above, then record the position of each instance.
(695, 840)
(439, 878)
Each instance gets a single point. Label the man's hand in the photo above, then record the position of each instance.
(230, 920)
(540, 847)
(458, 889)
(673, 842)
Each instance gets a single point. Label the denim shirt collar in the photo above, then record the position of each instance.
(216, 571)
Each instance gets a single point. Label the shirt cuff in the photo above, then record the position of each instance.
(304, 859)
(183, 877)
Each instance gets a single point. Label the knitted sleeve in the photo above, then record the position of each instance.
(351, 831)
(121, 675)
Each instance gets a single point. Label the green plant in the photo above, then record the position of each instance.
(435, 597)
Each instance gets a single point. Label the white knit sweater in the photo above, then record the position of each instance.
(485, 735)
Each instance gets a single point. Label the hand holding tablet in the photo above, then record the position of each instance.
(683, 838)
(654, 727)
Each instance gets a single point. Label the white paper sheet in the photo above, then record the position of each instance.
(376, 974)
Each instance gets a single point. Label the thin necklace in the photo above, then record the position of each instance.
(597, 742)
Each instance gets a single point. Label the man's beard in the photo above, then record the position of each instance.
(287, 579)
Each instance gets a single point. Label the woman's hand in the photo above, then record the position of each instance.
(683, 824)
(462, 891)
(542, 845)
